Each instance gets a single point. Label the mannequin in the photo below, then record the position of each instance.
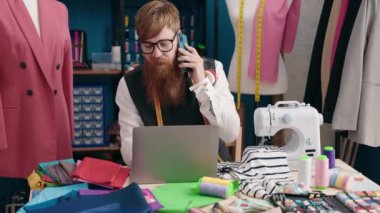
(32, 7)
(36, 85)
(272, 86)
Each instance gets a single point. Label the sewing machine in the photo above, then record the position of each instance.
(303, 121)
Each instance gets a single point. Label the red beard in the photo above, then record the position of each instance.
(164, 78)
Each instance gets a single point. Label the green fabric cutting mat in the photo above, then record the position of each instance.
(178, 197)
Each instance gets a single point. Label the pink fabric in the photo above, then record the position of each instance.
(342, 15)
(101, 172)
(36, 87)
(280, 25)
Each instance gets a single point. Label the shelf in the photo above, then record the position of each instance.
(96, 72)
(96, 149)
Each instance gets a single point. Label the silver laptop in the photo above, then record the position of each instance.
(174, 154)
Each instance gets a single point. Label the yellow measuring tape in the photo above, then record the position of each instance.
(239, 51)
(258, 50)
(157, 108)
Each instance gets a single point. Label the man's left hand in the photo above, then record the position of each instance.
(190, 58)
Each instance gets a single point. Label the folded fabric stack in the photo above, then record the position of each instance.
(69, 195)
(101, 172)
(52, 173)
(59, 172)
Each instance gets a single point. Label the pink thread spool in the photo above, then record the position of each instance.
(341, 180)
(321, 172)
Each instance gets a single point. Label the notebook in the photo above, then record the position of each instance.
(174, 154)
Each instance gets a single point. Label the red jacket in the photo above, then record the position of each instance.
(36, 84)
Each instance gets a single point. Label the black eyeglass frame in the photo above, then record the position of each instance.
(156, 44)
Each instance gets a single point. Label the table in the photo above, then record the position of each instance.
(364, 184)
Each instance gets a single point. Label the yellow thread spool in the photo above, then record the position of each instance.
(216, 180)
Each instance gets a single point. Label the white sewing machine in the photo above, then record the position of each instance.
(302, 119)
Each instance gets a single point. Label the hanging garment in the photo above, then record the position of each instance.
(342, 16)
(313, 93)
(328, 45)
(340, 55)
(358, 102)
(36, 87)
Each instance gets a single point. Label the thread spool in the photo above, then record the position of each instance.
(217, 187)
(321, 172)
(304, 173)
(341, 180)
(329, 151)
(216, 180)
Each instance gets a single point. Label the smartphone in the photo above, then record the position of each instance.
(182, 40)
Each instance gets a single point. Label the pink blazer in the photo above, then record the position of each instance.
(36, 87)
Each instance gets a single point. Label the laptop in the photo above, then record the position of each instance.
(174, 154)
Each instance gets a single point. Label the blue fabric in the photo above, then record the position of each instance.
(51, 193)
(53, 202)
(129, 199)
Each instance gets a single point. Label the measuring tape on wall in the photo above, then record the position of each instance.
(258, 50)
(239, 51)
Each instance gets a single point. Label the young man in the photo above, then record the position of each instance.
(160, 92)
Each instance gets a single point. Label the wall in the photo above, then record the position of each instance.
(100, 33)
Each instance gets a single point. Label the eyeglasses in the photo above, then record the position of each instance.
(164, 45)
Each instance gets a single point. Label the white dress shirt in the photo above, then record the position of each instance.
(216, 104)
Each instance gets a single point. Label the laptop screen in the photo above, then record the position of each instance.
(173, 154)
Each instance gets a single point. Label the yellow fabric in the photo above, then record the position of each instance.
(35, 181)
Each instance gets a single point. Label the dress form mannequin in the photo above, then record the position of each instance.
(32, 6)
(248, 83)
(36, 83)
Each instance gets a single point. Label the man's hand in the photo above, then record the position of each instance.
(190, 58)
